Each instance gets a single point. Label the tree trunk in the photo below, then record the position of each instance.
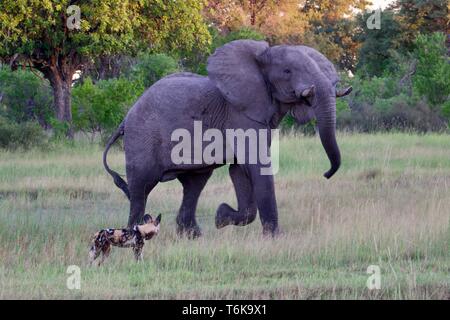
(62, 86)
(252, 12)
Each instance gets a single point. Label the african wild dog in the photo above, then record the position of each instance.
(125, 238)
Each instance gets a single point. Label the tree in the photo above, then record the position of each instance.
(420, 16)
(100, 107)
(149, 68)
(432, 76)
(378, 45)
(333, 29)
(332, 10)
(326, 24)
(276, 19)
(24, 97)
(39, 35)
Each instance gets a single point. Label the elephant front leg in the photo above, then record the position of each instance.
(193, 184)
(246, 212)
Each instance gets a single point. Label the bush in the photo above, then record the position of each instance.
(100, 107)
(244, 33)
(21, 136)
(398, 113)
(152, 67)
(432, 78)
(389, 103)
(446, 111)
(25, 97)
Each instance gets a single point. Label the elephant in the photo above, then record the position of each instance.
(250, 85)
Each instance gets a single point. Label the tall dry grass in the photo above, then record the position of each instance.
(389, 205)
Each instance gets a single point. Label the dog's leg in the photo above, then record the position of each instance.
(106, 250)
(93, 254)
(137, 250)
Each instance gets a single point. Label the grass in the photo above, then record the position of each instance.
(389, 206)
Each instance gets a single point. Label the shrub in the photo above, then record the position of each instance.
(25, 97)
(152, 67)
(23, 135)
(368, 90)
(432, 78)
(243, 33)
(59, 129)
(397, 113)
(342, 107)
(389, 103)
(446, 111)
(100, 107)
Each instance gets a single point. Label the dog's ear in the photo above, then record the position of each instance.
(158, 220)
(147, 218)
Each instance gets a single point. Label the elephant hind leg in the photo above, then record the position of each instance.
(247, 208)
(141, 184)
(193, 184)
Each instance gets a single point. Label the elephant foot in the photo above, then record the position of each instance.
(191, 231)
(270, 230)
(223, 217)
(226, 215)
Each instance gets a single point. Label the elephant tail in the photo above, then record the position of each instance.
(118, 181)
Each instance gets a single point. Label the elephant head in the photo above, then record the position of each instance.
(257, 79)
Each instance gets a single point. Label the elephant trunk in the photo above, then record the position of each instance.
(326, 122)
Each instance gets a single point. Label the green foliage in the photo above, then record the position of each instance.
(176, 26)
(25, 97)
(375, 55)
(244, 33)
(21, 136)
(152, 67)
(432, 78)
(107, 26)
(420, 16)
(59, 129)
(380, 103)
(369, 90)
(402, 78)
(288, 123)
(341, 106)
(37, 33)
(446, 111)
(411, 89)
(100, 107)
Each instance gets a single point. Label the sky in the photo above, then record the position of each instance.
(381, 3)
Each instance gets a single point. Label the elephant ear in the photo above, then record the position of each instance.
(323, 63)
(234, 69)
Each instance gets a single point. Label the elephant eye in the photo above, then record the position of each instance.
(287, 71)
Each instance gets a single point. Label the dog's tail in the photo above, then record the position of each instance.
(118, 181)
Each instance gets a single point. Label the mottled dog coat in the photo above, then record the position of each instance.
(125, 238)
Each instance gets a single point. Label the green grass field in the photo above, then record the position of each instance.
(389, 206)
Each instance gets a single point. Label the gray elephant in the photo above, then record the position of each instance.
(249, 86)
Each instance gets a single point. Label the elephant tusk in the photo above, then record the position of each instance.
(343, 92)
(308, 92)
